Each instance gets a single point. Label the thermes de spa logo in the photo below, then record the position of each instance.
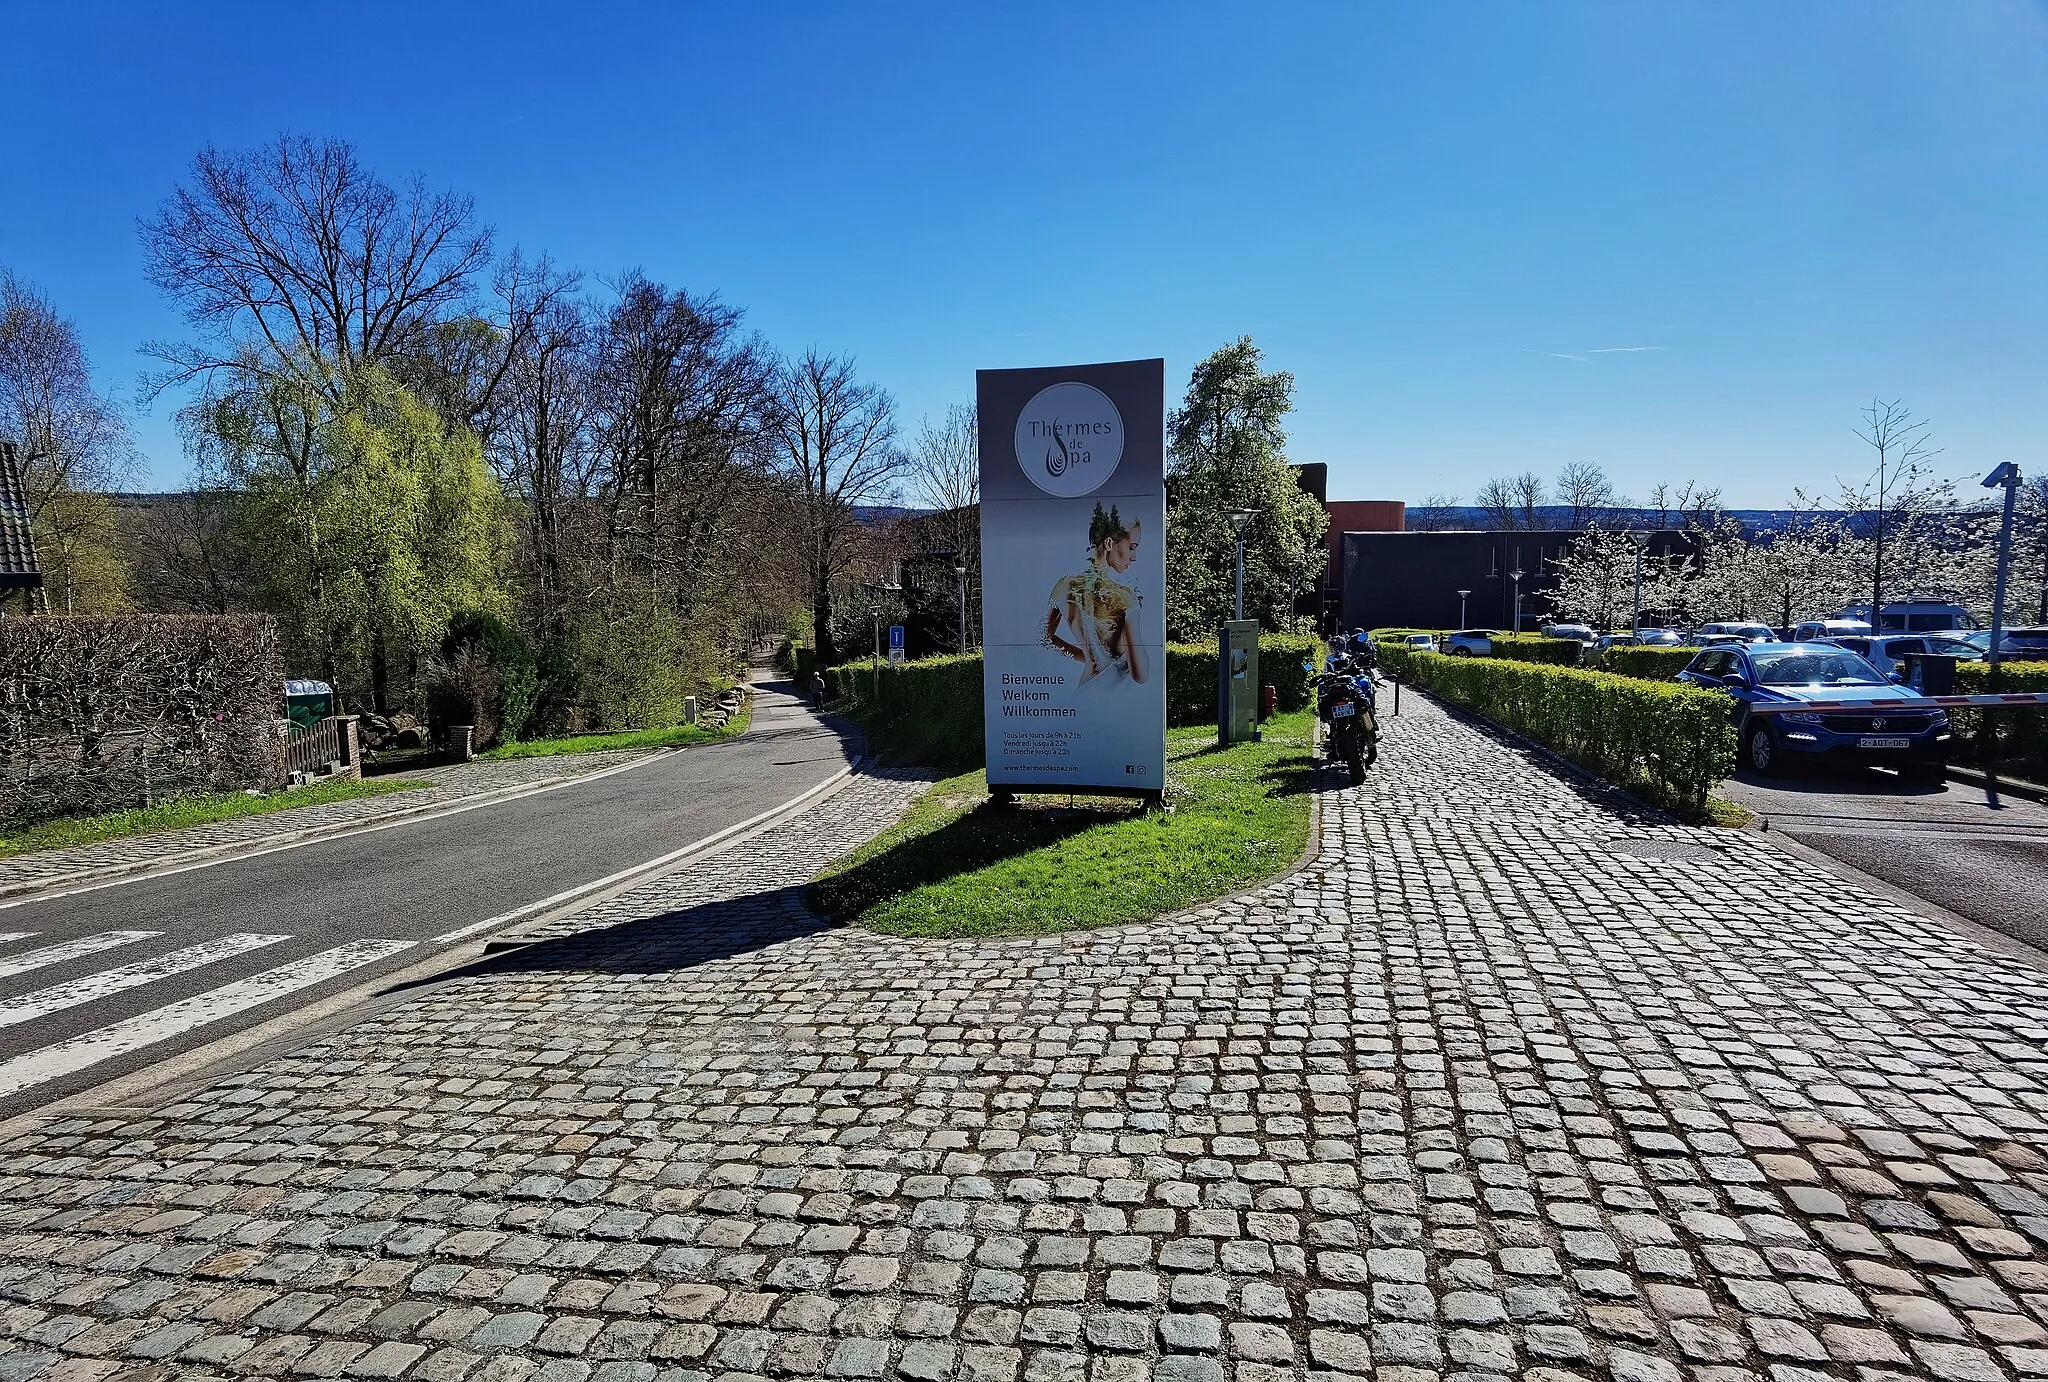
(1069, 439)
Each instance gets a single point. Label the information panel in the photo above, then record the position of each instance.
(1073, 591)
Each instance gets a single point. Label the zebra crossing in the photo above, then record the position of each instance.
(73, 1000)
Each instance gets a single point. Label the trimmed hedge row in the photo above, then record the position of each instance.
(107, 712)
(1534, 647)
(1648, 663)
(930, 710)
(2017, 733)
(1671, 744)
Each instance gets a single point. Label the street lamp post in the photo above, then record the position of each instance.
(1635, 623)
(1240, 519)
(2008, 476)
(1461, 607)
(1516, 576)
(960, 571)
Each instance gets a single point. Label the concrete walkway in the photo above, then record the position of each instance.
(1516, 1079)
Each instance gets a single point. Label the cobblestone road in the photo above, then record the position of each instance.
(451, 782)
(1514, 1080)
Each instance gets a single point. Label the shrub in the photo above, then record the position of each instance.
(1534, 647)
(2017, 733)
(1668, 743)
(1647, 663)
(103, 714)
(484, 675)
(930, 710)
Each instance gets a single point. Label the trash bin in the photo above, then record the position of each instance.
(307, 703)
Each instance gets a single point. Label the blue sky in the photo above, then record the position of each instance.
(1681, 240)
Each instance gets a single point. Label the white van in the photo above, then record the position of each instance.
(1915, 616)
(1813, 630)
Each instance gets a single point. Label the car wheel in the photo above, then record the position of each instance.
(1461, 652)
(1763, 750)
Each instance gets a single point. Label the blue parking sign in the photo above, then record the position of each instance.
(895, 635)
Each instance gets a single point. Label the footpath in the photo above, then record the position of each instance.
(1515, 1079)
(453, 784)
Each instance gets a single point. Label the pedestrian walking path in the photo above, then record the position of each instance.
(451, 784)
(1515, 1079)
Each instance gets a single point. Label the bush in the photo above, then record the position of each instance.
(104, 714)
(484, 675)
(1534, 647)
(1668, 743)
(2020, 733)
(929, 711)
(1647, 663)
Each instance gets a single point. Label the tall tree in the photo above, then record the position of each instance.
(944, 472)
(836, 439)
(1514, 502)
(1586, 494)
(1229, 451)
(73, 444)
(1900, 442)
(1436, 513)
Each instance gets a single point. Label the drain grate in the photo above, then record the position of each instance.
(1664, 849)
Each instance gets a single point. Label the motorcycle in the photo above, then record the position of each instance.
(1348, 703)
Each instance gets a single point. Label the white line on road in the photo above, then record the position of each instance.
(70, 950)
(328, 836)
(175, 1019)
(57, 997)
(9, 937)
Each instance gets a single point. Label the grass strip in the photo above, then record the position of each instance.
(673, 737)
(954, 867)
(188, 811)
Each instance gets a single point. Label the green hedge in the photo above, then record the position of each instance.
(1668, 743)
(929, 711)
(2018, 734)
(1649, 663)
(1534, 647)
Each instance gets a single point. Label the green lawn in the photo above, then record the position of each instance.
(954, 867)
(675, 736)
(184, 811)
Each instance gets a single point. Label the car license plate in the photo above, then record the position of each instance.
(1341, 709)
(1868, 742)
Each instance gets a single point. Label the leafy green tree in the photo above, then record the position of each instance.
(1228, 451)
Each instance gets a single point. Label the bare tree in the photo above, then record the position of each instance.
(1587, 494)
(73, 440)
(1690, 505)
(836, 438)
(1514, 501)
(944, 472)
(1903, 453)
(296, 260)
(1434, 514)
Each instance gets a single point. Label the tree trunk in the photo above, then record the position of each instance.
(821, 615)
(380, 674)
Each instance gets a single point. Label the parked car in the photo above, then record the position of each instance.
(1470, 643)
(1914, 615)
(1581, 632)
(1420, 642)
(1888, 654)
(1647, 638)
(1741, 630)
(2028, 644)
(1814, 630)
(1915, 741)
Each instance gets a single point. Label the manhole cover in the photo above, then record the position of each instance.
(1663, 849)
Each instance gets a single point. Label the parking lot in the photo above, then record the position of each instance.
(1946, 843)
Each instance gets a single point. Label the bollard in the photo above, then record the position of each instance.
(1397, 694)
(461, 743)
(689, 710)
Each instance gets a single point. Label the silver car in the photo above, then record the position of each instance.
(1470, 643)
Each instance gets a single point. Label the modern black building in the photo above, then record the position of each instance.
(1412, 580)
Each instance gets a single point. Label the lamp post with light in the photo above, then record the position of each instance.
(1240, 519)
(1516, 576)
(1461, 607)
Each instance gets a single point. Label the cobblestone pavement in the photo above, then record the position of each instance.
(1515, 1079)
(451, 782)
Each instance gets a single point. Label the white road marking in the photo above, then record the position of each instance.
(9, 937)
(328, 837)
(57, 997)
(70, 950)
(147, 1029)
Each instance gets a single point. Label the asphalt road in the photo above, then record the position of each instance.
(101, 982)
(1946, 843)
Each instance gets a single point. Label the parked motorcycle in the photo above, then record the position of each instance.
(1347, 702)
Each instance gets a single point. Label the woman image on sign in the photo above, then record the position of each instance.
(1090, 616)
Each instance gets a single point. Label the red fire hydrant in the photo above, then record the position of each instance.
(1269, 700)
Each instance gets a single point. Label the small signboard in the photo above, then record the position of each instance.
(1237, 692)
(895, 645)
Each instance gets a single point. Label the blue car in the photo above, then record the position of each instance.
(1913, 740)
